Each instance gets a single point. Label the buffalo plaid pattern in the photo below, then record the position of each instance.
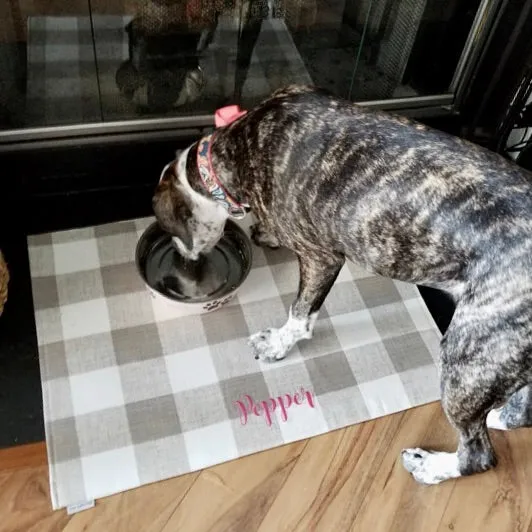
(136, 391)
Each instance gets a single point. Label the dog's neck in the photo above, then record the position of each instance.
(217, 164)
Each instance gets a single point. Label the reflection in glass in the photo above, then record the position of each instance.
(193, 56)
(81, 61)
(47, 69)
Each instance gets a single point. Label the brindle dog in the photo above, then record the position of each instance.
(333, 181)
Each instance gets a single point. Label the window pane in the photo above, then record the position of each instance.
(47, 68)
(182, 57)
(406, 47)
(63, 63)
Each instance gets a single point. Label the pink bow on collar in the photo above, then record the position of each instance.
(225, 115)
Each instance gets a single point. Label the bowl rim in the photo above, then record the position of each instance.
(234, 227)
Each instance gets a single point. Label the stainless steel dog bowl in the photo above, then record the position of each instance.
(208, 283)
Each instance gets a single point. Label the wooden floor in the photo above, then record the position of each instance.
(350, 479)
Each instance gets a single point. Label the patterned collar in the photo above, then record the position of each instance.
(212, 183)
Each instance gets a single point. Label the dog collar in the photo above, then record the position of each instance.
(213, 184)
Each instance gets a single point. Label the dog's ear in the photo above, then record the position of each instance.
(171, 206)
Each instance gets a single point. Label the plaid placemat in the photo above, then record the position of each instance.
(135, 392)
(72, 79)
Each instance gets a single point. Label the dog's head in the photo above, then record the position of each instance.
(195, 221)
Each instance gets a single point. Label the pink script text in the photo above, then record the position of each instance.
(247, 406)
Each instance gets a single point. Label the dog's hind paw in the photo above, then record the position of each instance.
(430, 467)
(494, 420)
(267, 345)
(263, 239)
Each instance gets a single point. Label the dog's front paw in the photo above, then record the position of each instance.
(428, 467)
(267, 345)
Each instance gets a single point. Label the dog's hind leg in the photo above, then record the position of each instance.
(466, 410)
(471, 385)
(316, 277)
(262, 237)
(516, 413)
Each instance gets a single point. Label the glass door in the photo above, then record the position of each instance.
(166, 57)
(48, 73)
(137, 63)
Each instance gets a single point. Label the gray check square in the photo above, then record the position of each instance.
(378, 291)
(41, 261)
(73, 235)
(330, 373)
(289, 378)
(93, 440)
(141, 224)
(370, 362)
(357, 271)
(237, 388)
(278, 256)
(246, 436)
(79, 286)
(153, 419)
(117, 249)
(345, 403)
(288, 299)
(116, 228)
(266, 313)
(286, 277)
(130, 309)
(161, 459)
(408, 351)
(421, 384)
(134, 344)
(49, 325)
(173, 339)
(44, 239)
(45, 292)
(223, 325)
(200, 407)
(89, 353)
(121, 279)
(259, 258)
(233, 358)
(66, 445)
(432, 339)
(392, 320)
(343, 297)
(57, 393)
(407, 290)
(323, 341)
(145, 380)
(53, 361)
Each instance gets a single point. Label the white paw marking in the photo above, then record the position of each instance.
(428, 467)
(494, 421)
(268, 345)
(274, 344)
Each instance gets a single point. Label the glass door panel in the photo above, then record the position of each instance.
(47, 70)
(98, 61)
(181, 57)
(407, 48)
(168, 57)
